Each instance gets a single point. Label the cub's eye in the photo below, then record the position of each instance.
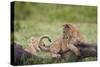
(66, 26)
(63, 31)
(43, 44)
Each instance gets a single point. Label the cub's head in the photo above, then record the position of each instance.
(69, 28)
(42, 44)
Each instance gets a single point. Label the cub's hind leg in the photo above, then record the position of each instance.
(55, 53)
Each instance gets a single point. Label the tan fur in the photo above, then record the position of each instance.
(57, 47)
(35, 43)
(71, 37)
(31, 50)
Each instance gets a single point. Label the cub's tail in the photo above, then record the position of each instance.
(45, 47)
(43, 37)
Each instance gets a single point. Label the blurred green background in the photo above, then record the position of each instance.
(37, 19)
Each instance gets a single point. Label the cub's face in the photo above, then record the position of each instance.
(42, 44)
(66, 28)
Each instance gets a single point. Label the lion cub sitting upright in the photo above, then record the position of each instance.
(71, 37)
(35, 43)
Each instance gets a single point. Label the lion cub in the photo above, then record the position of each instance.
(35, 43)
(71, 37)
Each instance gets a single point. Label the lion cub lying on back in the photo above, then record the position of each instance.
(71, 37)
(35, 43)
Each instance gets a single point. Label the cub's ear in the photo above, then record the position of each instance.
(66, 25)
